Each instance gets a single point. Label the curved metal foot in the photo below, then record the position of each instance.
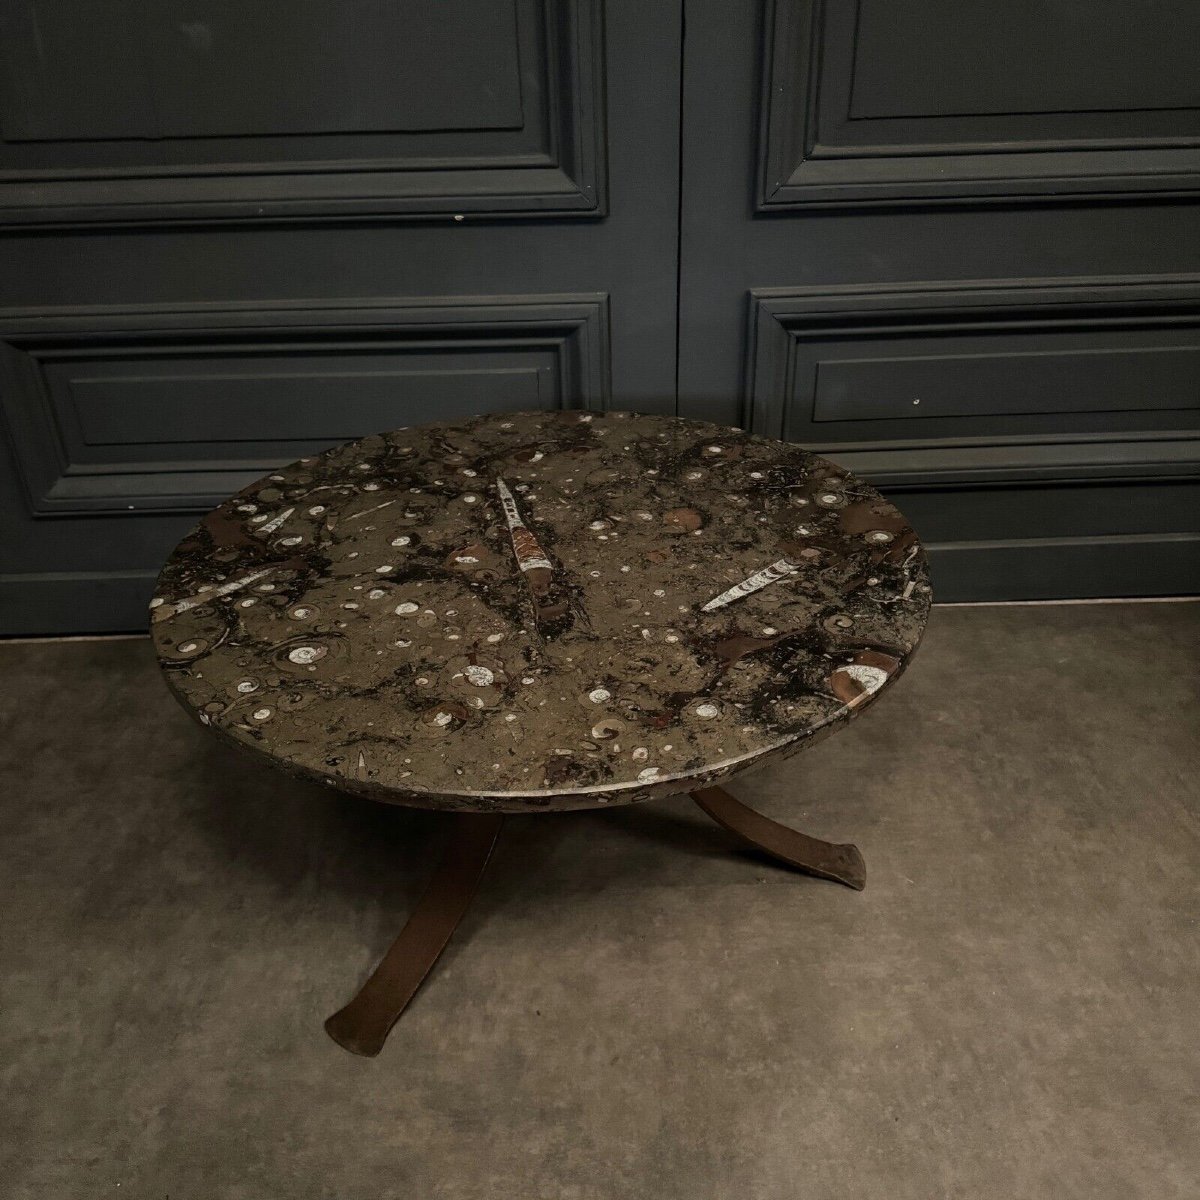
(363, 1025)
(829, 860)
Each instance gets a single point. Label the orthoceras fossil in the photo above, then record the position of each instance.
(529, 553)
(780, 569)
(162, 610)
(550, 602)
(274, 523)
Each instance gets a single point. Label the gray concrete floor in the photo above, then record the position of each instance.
(633, 1008)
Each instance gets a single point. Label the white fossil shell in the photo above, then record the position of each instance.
(780, 569)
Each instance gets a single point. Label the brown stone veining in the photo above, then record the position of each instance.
(540, 610)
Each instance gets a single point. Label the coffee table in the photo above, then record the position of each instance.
(533, 612)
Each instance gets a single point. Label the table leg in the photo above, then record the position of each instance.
(363, 1025)
(829, 860)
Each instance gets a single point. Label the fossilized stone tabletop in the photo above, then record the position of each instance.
(540, 610)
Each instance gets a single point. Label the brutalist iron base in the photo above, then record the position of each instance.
(830, 860)
(363, 1025)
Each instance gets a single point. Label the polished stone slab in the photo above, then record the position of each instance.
(540, 610)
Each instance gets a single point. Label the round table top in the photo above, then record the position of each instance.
(540, 610)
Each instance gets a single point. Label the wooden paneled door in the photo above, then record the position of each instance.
(955, 244)
(232, 233)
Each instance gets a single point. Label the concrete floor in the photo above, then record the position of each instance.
(633, 1008)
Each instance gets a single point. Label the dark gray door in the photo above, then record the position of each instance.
(233, 233)
(955, 244)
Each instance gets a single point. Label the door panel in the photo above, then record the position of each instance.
(160, 411)
(963, 281)
(881, 101)
(180, 69)
(150, 365)
(957, 367)
(971, 58)
(151, 112)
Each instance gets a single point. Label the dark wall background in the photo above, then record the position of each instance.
(953, 245)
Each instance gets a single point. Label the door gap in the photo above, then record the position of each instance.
(679, 198)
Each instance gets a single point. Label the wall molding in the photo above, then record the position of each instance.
(568, 334)
(797, 169)
(790, 330)
(559, 173)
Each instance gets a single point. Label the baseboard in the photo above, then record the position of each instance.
(75, 602)
(1136, 565)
